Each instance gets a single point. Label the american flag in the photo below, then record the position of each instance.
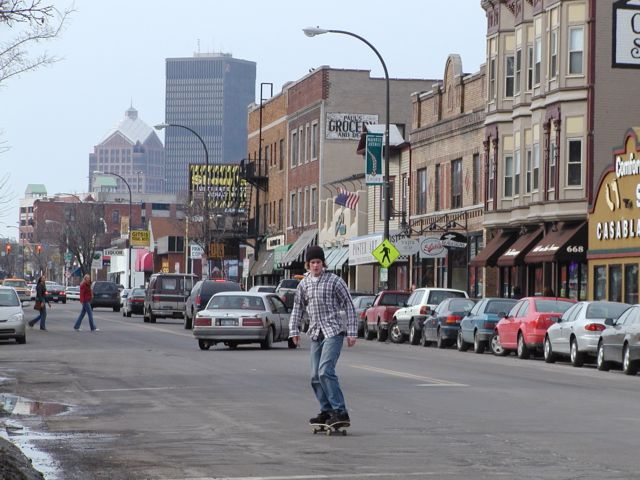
(347, 199)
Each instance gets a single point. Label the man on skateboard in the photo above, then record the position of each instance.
(323, 295)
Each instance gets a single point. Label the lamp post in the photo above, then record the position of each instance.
(312, 32)
(130, 218)
(206, 231)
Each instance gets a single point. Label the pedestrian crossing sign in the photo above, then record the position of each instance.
(386, 253)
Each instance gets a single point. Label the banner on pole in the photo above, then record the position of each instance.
(374, 174)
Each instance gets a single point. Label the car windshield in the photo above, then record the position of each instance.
(394, 299)
(604, 310)
(553, 306)
(461, 305)
(105, 287)
(8, 298)
(15, 283)
(361, 302)
(289, 283)
(437, 296)
(235, 302)
(499, 306)
(138, 292)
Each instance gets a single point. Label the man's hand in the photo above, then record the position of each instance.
(296, 340)
(351, 341)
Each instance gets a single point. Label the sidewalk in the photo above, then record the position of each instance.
(14, 465)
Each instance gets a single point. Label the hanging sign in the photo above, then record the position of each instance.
(432, 247)
(373, 156)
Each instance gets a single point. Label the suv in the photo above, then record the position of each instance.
(408, 321)
(166, 295)
(200, 295)
(105, 294)
(20, 286)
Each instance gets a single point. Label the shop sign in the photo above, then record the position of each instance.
(348, 126)
(454, 240)
(407, 246)
(274, 242)
(195, 251)
(626, 34)
(360, 249)
(432, 247)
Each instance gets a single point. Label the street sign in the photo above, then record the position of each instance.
(113, 252)
(68, 256)
(386, 253)
(195, 251)
(96, 260)
(373, 156)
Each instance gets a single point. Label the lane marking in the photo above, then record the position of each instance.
(151, 327)
(412, 376)
(329, 476)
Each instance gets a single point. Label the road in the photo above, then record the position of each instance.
(141, 401)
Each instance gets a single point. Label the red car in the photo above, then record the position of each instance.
(524, 327)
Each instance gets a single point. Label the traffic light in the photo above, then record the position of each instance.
(7, 248)
(38, 249)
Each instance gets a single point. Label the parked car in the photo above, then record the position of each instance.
(478, 326)
(236, 318)
(286, 290)
(442, 324)
(13, 324)
(166, 295)
(32, 288)
(20, 286)
(134, 302)
(105, 294)
(56, 293)
(619, 343)
(576, 334)
(525, 326)
(361, 303)
(380, 314)
(72, 293)
(408, 320)
(123, 296)
(263, 288)
(200, 294)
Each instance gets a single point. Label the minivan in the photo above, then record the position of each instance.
(166, 295)
(201, 293)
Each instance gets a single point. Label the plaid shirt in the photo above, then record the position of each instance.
(323, 300)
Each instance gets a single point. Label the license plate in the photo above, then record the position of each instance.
(227, 322)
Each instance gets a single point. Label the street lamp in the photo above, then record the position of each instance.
(206, 232)
(312, 32)
(130, 217)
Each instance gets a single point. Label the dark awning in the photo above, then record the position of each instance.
(264, 265)
(296, 252)
(567, 244)
(516, 252)
(488, 256)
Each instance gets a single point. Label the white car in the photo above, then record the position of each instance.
(12, 320)
(577, 332)
(73, 293)
(407, 321)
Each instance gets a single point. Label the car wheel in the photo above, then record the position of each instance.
(232, 345)
(203, 344)
(368, 334)
(129, 314)
(291, 344)
(414, 338)
(629, 367)
(116, 309)
(382, 333)
(547, 351)
(395, 334)
(523, 351)
(64, 301)
(440, 342)
(496, 346)
(577, 357)
(423, 339)
(152, 317)
(22, 339)
(268, 340)
(188, 322)
(478, 345)
(460, 343)
(601, 363)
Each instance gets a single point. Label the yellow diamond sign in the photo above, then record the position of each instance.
(386, 253)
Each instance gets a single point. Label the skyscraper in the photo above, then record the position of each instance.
(209, 93)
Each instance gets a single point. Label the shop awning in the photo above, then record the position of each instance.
(264, 265)
(296, 252)
(567, 244)
(340, 256)
(488, 256)
(514, 255)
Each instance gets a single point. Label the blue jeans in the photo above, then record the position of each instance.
(324, 381)
(40, 318)
(86, 308)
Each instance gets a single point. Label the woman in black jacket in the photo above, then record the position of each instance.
(41, 291)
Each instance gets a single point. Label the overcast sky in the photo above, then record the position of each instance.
(113, 55)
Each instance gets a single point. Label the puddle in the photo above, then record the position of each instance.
(25, 440)
(15, 405)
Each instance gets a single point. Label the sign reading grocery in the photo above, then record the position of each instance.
(348, 126)
(140, 238)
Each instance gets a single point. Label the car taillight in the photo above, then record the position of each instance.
(137, 300)
(252, 322)
(544, 321)
(198, 300)
(155, 298)
(488, 325)
(453, 318)
(595, 327)
(363, 314)
(202, 322)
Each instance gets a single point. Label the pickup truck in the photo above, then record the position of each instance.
(380, 314)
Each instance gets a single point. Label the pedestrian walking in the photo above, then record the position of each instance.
(41, 304)
(323, 295)
(85, 299)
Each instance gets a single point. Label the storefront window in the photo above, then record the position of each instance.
(615, 283)
(631, 283)
(600, 282)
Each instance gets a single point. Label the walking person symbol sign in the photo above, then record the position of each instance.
(386, 253)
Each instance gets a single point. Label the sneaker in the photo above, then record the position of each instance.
(78, 329)
(95, 330)
(339, 418)
(44, 329)
(320, 419)
(30, 325)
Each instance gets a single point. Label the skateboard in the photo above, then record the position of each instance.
(337, 428)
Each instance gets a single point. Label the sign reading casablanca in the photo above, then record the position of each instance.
(348, 126)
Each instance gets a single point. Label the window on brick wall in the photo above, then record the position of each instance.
(421, 191)
(456, 183)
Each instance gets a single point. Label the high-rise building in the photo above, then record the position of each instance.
(133, 150)
(208, 93)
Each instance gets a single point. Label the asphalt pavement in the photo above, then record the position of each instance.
(141, 401)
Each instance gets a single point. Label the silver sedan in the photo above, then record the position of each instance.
(577, 333)
(12, 322)
(235, 318)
